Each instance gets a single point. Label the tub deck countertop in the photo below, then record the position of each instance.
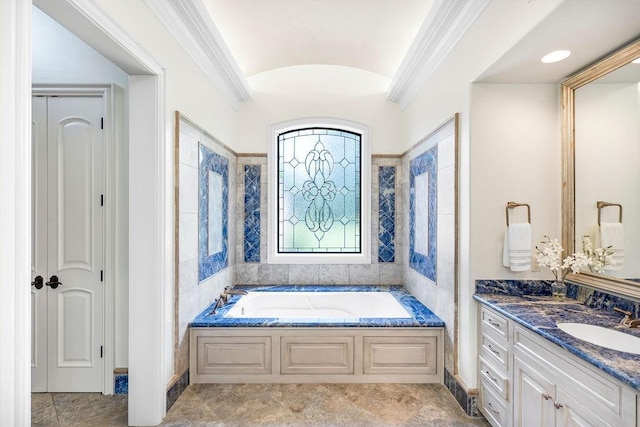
(421, 316)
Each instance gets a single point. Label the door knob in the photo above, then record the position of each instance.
(53, 282)
(38, 282)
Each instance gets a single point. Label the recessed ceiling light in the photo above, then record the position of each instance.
(636, 61)
(555, 56)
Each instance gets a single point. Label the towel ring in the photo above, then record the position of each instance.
(512, 205)
(601, 204)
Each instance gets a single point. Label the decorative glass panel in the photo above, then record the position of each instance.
(319, 191)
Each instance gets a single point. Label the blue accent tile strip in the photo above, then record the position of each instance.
(424, 264)
(177, 389)
(468, 402)
(252, 213)
(387, 214)
(121, 384)
(211, 264)
(420, 314)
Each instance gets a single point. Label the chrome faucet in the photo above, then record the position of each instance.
(224, 297)
(628, 321)
(228, 291)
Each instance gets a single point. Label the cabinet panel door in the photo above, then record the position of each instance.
(533, 396)
(572, 413)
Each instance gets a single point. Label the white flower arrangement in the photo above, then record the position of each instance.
(550, 256)
(601, 258)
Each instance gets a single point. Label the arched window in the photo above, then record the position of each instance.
(319, 193)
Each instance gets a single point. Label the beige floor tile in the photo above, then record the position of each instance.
(235, 405)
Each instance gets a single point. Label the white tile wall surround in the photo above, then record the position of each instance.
(193, 297)
(440, 295)
(330, 274)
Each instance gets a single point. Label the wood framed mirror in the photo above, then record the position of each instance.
(603, 69)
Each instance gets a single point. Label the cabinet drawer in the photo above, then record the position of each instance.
(490, 349)
(491, 321)
(316, 355)
(494, 377)
(493, 407)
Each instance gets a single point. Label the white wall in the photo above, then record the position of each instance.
(448, 92)
(61, 57)
(318, 91)
(187, 89)
(516, 156)
(608, 140)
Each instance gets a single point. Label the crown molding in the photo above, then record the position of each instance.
(190, 23)
(443, 27)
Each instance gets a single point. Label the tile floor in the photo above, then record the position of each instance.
(269, 405)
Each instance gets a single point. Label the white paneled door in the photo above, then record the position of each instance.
(68, 244)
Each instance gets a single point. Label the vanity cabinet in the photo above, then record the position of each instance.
(542, 384)
(494, 367)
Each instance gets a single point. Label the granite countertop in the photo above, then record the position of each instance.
(541, 314)
(421, 316)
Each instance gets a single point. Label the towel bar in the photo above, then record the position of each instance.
(511, 205)
(601, 204)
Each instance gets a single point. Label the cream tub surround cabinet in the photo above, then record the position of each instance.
(406, 349)
(526, 379)
(316, 355)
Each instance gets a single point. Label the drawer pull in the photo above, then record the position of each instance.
(494, 351)
(488, 374)
(490, 407)
(546, 396)
(557, 405)
(492, 323)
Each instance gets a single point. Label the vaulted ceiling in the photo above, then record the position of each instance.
(402, 40)
(373, 35)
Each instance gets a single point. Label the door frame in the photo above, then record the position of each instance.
(150, 198)
(112, 127)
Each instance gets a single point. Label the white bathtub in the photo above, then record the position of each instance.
(329, 305)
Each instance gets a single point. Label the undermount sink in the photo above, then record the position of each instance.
(604, 337)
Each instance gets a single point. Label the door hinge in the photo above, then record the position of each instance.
(102, 200)
(102, 275)
(101, 122)
(101, 351)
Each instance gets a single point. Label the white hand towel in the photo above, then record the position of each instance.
(612, 234)
(517, 247)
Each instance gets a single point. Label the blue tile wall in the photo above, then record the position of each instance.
(211, 264)
(387, 214)
(513, 287)
(424, 264)
(252, 213)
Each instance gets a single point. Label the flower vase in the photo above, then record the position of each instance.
(558, 290)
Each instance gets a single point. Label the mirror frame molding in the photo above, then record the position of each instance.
(623, 56)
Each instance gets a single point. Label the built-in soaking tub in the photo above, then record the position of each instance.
(285, 334)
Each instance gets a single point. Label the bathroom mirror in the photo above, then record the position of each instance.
(601, 163)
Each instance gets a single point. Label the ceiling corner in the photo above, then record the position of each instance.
(445, 24)
(191, 25)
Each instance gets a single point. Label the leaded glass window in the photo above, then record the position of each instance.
(319, 190)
